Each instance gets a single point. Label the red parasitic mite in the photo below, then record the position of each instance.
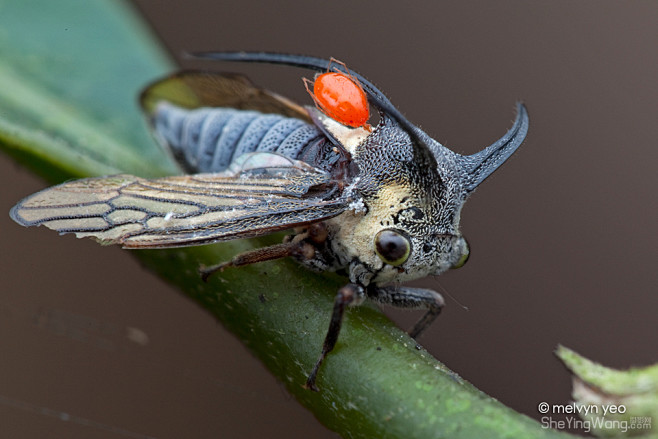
(340, 96)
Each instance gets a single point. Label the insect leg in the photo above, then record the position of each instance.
(301, 249)
(309, 88)
(407, 297)
(301, 246)
(349, 294)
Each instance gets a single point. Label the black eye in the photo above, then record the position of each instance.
(392, 247)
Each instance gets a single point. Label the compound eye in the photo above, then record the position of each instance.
(392, 247)
(464, 257)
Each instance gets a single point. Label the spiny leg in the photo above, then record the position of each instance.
(296, 246)
(407, 297)
(301, 249)
(349, 294)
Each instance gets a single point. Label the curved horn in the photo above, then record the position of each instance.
(375, 96)
(474, 169)
(477, 167)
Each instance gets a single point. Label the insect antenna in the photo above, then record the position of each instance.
(443, 290)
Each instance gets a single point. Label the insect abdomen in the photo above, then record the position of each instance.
(208, 139)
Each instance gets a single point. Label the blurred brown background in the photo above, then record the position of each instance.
(563, 236)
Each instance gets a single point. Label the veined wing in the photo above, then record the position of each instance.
(183, 210)
(194, 89)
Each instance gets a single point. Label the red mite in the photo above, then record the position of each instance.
(341, 97)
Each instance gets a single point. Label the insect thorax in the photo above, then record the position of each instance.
(398, 185)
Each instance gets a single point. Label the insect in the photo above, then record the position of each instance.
(340, 96)
(380, 206)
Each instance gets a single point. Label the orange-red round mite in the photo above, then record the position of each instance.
(340, 96)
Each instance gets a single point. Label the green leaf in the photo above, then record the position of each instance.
(68, 109)
(618, 403)
(70, 82)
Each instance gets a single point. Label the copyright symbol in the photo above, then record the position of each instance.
(543, 407)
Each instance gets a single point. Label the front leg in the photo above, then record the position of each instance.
(350, 294)
(414, 298)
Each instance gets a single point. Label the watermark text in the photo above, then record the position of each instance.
(594, 417)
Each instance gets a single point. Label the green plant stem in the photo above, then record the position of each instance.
(377, 382)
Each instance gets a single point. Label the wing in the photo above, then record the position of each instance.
(194, 89)
(186, 210)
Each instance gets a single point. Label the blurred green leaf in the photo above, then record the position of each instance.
(70, 73)
(630, 397)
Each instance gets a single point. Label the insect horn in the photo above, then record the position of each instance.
(473, 169)
(477, 167)
(375, 96)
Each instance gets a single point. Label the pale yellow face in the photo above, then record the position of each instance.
(355, 233)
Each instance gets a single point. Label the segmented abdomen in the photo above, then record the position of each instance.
(208, 139)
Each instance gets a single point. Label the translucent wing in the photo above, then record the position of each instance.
(194, 89)
(187, 210)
